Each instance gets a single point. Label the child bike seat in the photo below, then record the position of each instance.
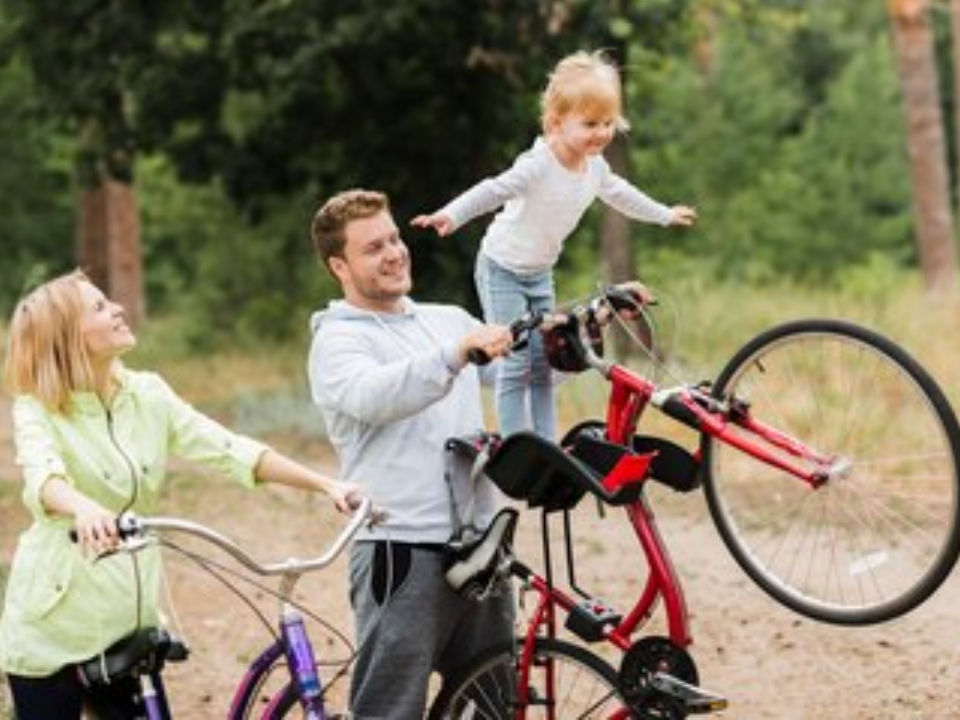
(670, 464)
(528, 467)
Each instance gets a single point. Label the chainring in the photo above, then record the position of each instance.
(646, 657)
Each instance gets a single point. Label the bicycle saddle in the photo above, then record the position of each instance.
(143, 652)
(474, 569)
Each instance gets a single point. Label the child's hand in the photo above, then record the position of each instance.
(439, 222)
(683, 215)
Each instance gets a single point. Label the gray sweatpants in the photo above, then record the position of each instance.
(410, 623)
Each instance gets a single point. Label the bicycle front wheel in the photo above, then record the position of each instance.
(881, 534)
(566, 682)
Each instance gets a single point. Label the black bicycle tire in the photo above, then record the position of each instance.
(289, 700)
(503, 655)
(945, 559)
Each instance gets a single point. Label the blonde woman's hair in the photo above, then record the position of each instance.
(46, 353)
(587, 83)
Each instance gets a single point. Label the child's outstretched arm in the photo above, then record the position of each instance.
(683, 215)
(440, 222)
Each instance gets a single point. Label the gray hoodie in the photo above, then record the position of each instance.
(392, 390)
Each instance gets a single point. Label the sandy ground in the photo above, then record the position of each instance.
(769, 662)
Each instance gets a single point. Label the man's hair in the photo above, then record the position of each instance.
(332, 218)
(587, 83)
(46, 353)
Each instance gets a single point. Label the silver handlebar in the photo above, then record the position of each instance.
(133, 526)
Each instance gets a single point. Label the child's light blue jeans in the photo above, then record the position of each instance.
(525, 396)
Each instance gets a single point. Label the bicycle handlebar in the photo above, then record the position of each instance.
(520, 330)
(133, 527)
(615, 298)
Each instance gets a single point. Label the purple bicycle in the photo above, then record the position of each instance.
(144, 654)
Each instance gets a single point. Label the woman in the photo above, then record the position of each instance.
(93, 439)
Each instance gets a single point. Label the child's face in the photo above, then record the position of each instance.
(584, 134)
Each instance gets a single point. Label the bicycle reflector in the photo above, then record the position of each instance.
(562, 346)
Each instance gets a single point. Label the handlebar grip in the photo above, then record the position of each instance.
(626, 298)
(477, 356)
(127, 525)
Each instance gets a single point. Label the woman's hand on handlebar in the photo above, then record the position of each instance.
(95, 528)
(346, 496)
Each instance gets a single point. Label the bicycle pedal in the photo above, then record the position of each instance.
(696, 700)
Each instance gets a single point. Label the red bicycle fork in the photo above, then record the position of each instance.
(630, 395)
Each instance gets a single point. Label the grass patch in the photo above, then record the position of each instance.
(699, 325)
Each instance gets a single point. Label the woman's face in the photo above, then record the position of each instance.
(103, 325)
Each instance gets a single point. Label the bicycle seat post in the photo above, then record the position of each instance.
(152, 704)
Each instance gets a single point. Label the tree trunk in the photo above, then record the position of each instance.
(616, 256)
(914, 47)
(109, 244)
(955, 37)
(617, 261)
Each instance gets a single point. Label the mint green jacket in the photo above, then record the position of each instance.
(62, 607)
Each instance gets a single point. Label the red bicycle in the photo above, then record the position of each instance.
(829, 459)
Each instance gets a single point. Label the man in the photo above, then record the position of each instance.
(392, 379)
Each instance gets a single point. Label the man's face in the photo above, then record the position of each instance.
(375, 268)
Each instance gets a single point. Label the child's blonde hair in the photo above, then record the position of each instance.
(46, 353)
(587, 83)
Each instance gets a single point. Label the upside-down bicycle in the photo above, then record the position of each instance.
(829, 460)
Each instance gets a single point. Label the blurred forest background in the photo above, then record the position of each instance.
(178, 148)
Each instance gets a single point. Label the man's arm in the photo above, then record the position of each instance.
(347, 376)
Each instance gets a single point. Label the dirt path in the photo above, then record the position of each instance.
(771, 663)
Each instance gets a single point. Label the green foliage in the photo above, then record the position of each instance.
(36, 201)
(839, 190)
(779, 121)
(229, 280)
(793, 150)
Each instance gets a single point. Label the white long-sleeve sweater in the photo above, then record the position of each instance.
(543, 202)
